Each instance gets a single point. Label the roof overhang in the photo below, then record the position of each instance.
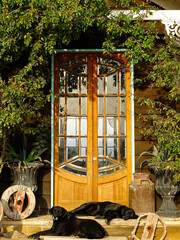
(170, 18)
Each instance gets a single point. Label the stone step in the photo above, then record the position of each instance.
(75, 238)
(117, 228)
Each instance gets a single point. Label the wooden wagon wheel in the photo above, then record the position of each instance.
(150, 227)
(18, 202)
(1, 214)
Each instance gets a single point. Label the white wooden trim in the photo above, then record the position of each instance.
(170, 18)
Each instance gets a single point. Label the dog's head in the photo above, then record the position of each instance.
(58, 212)
(129, 213)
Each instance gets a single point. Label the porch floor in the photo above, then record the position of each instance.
(117, 228)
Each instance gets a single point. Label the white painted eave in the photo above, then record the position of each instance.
(170, 18)
(163, 15)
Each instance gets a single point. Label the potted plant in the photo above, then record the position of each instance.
(165, 164)
(25, 166)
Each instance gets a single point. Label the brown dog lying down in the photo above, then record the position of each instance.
(106, 210)
(66, 224)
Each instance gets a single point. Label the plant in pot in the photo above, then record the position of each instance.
(25, 166)
(165, 164)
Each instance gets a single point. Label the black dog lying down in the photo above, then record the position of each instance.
(66, 224)
(106, 210)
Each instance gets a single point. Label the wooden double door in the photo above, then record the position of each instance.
(92, 129)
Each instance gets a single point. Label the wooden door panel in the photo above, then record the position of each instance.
(70, 194)
(115, 191)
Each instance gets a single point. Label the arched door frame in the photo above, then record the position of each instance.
(52, 107)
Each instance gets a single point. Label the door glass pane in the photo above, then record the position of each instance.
(110, 170)
(80, 162)
(61, 149)
(100, 85)
(100, 126)
(81, 69)
(109, 61)
(73, 170)
(61, 126)
(62, 105)
(73, 105)
(111, 105)
(103, 162)
(84, 126)
(83, 105)
(122, 81)
(100, 146)
(100, 106)
(83, 146)
(122, 126)
(72, 147)
(74, 61)
(112, 148)
(62, 81)
(72, 125)
(122, 105)
(72, 83)
(112, 84)
(103, 69)
(111, 126)
(123, 150)
(84, 85)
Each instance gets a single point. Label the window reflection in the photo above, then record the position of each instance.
(80, 162)
(123, 149)
(102, 69)
(112, 148)
(73, 106)
(61, 126)
(110, 171)
(73, 170)
(109, 61)
(61, 149)
(72, 125)
(111, 105)
(100, 146)
(100, 85)
(74, 61)
(81, 69)
(122, 126)
(84, 126)
(112, 84)
(62, 74)
(83, 146)
(111, 126)
(72, 83)
(122, 105)
(62, 105)
(83, 85)
(103, 162)
(123, 81)
(100, 126)
(83, 105)
(72, 147)
(100, 105)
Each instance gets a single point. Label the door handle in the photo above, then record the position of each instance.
(94, 158)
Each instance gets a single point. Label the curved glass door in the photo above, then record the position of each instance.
(111, 97)
(92, 129)
(73, 116)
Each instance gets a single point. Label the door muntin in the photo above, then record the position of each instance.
(111, 115)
